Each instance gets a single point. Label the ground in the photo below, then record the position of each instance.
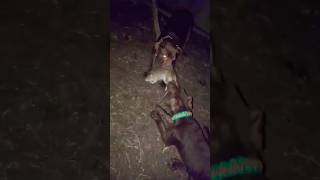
(52, 91)
(136, 150)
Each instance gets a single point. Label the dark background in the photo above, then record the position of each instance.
(271, 49)
(53, 90)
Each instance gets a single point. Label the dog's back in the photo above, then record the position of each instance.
(194, 150)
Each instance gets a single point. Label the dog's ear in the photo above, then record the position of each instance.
(256, 131)
(156, 47)
(176, 52)
(190, 102)
(179, 50)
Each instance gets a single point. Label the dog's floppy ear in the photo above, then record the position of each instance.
(156, 46)
(256, 125)
(179, 50)
(190, 102)
(176, 52)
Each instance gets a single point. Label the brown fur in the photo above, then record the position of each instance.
(186, 135)
(166, 51)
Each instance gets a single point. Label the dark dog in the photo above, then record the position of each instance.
(185, 134)
(237, 135)
(172, 39)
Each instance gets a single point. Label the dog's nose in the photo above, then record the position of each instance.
(145, 74)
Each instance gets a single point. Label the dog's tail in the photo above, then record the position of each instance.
(155, 19)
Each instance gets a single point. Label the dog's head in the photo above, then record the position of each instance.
(237, 129)
(166, 52)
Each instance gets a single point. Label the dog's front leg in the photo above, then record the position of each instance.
(164, 131)
(166, 118)
(164, 94)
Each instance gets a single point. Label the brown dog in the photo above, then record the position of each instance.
(185, 134)
(172, 39)
(237, 134)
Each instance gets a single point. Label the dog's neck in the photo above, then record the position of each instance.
(183, 120)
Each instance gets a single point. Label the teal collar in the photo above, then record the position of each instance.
(235, 167)
(180, 115)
